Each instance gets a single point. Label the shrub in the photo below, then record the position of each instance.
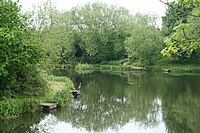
(11, 108)
(20, 52)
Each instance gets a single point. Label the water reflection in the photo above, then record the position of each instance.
(137, 102)
(108, 102)
(46, 125)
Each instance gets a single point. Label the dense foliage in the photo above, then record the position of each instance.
(145, 42)
(100, 32)
(183, 39)
(53, 31)
(93, 33)
(96, 33)
(19, 54)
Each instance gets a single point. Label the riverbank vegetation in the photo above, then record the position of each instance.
(97, 33)
(24, 80)
(80, 68)
(57, 91)
(32, 43)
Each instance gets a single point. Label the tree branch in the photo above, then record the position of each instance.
(170, 5)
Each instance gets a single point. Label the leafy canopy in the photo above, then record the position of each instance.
(19, 52)
(184, 40)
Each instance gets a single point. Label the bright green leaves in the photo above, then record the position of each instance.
(194, 4)
(184, 38)
(19, 53)
(180, 43)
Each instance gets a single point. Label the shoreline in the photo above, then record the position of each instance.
(58, 91)
(177, 68)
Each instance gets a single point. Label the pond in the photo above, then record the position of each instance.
(121, 103)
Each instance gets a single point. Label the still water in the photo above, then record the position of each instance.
(121, 103)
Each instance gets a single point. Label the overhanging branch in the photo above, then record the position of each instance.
(170, 5)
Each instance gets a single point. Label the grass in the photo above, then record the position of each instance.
(56, 84)
(100, 67)
(174, 68)
(178, 68)
(84, 68)
(58, 91)
(11, 108)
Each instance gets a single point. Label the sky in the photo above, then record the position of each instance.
(134, 6)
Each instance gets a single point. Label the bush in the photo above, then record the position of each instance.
(61, 97)
(20, 53)
(62, 94)
(82, 66)
(12, 108)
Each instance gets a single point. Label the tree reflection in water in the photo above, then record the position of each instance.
(46, 125)
(110, 102)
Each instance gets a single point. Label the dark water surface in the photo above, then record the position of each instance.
(121, 103)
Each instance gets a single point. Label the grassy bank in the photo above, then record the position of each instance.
(58, 91)
(11, 108)
(86, 67)
(174, 68)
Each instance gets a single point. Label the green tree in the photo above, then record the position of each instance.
(54, 31)
(184, 40)
(42, 19)
(145, 41)
(175, 15)
(100, 31)
(20, 54)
